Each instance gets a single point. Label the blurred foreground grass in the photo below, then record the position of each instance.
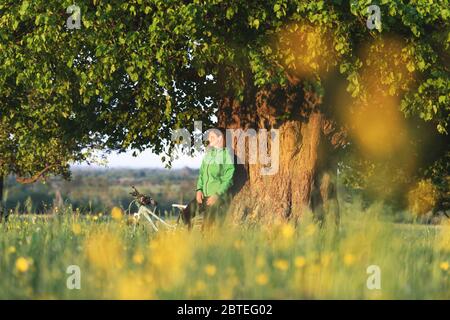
(245, 262)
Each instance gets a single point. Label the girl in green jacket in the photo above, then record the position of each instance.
(214, 180)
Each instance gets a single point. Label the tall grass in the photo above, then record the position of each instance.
(252, 262)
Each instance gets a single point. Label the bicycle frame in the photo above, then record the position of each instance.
(148, 214)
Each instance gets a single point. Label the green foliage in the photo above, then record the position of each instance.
(138, 69)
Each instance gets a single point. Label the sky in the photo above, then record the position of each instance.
(146, 159)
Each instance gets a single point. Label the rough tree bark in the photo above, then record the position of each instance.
(306, 179)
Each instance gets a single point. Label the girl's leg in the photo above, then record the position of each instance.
(192, 209)
(217, 212)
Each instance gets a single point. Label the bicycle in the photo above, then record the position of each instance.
(147, 208)
(144, 204)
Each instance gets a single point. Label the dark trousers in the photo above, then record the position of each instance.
(211, 214)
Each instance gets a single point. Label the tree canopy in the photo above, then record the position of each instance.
(138, 69)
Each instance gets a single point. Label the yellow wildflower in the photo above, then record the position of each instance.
(349, 259)
(444, 265)
(22, 264)
(287, 231)
(262, 279)
(116, 213)
(281, 264)
(300, 262)
(138, 258)
(210, 270)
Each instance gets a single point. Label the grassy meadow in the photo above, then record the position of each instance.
(277, 261)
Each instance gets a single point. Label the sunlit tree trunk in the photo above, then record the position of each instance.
(306, 178)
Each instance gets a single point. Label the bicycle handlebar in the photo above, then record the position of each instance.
(142, 198)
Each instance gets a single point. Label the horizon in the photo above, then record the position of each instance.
(144, 160)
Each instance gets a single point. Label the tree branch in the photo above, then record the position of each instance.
(36, 177)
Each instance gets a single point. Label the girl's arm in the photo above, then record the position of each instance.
(200, 177)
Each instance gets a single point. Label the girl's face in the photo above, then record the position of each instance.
(215, 139)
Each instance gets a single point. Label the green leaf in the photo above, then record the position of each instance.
(230, 13)
(23, 8)
(87, 23)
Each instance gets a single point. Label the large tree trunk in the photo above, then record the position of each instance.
(306, 179)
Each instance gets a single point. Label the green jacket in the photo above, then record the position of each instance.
(216, 172)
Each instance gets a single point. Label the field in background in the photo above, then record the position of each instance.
(98, 190)
(94, 191)
(272, 261)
